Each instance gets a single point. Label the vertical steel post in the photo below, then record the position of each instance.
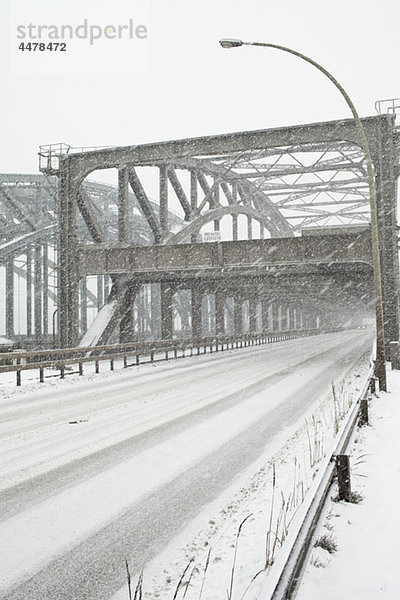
(100, 292)
(67, 263)
(238, 314)
(29, 291)
(252, 314)
(10, 298)
(219, 312)
(167, 325)
(45, 288)
(83, 305)
(249, 228)
(197, 329)
(38, 281)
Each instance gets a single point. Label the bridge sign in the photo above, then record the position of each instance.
(212, 236)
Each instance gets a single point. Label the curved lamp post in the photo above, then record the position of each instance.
(380, 340)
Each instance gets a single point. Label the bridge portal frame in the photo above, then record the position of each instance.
(74, 168)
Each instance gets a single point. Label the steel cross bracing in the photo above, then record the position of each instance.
(320, 184)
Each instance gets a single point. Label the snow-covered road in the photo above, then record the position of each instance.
(113, 466)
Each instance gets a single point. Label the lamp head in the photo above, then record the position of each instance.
(229, 43)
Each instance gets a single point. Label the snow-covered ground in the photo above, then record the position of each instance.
(161, 463)
(361, 553)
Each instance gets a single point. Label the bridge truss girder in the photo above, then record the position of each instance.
(287, 179)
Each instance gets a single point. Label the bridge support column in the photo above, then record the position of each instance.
(266, 314)
(127, 322)
(197, 321)
(83, 305)
(229, 314)
(167, 319)
(29, 292)
(10, 298)
(38, 291)
(45, 289)
(295, 318)
(275, 316)
(100, 291)
(385, 164)
(282, 317)
(219, 312)
(106, 283)
(155, 312)
(238, 314)
(291, 317)
(140, 314)
(252, 315)
(309, 321)
(259, 322)
(126, 327)
(265, 304)
(67, 256)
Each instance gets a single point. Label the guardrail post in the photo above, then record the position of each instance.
(343, 473)
(111, 364)
(96, 366)
(41, 375)
(372, 385)
(80, 366)
(125, 362)
(363, 420)
(62, 372)
(18, 377)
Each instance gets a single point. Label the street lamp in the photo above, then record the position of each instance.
(380, 339)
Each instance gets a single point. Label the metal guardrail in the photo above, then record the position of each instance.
(283, 582)
(60, 359)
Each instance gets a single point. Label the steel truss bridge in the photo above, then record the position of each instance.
(257, 185)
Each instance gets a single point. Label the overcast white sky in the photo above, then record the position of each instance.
(190, 86)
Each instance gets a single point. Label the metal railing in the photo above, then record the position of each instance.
(283, 582)
(61, 359)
